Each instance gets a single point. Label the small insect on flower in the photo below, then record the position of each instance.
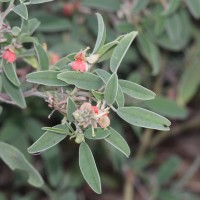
(80, 63)
(9, 56)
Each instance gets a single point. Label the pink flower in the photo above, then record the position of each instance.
(95, 109)
(54, 58)
(9, 56)
(80, 63)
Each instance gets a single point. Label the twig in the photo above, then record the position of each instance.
(6, 99)
(6, 12)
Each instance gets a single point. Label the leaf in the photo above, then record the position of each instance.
(10, 73)
(42, 57)
(189, 84)
(86, 80)
(55, 130)
(31, 60)
(171, 7)
(111, 5)
(138, 6)
(16, 160)
(1, 83)
(39, 1)
(167, 107)
(121, 50)
(118, 142)
(136, 91)
(14, 92)
(101, 34)
(103, 74)
(178, 30)
(194, 7)
(111, 89)
(33, 25)
(48, 140)
(1, 109)
(88, 168)
(143, 118)
(52, 23)
(166, 195)
(71, 107)
(21, 10)
(168, 169)
(150, 51)
(46, 77)
(120, 97)
(63, 62)
(107, 47)
(98, 95)
(100, 133)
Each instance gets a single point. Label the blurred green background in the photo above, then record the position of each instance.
(164, 58)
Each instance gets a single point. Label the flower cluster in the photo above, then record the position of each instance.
(91, 115)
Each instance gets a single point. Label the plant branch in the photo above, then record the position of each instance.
(6, 99)
(6, 12)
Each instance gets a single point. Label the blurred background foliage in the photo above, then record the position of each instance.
(165, 58)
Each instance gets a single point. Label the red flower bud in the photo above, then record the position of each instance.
(104, 121)
(68, 9)
(80, 63)
(54, 58)
(96, 109)
(9, 56)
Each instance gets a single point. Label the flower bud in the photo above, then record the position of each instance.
(104, 121)
(9, 56)
(80, 138)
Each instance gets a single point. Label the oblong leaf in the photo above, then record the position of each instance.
(172, 7)
(150, 51)
(47, 77)
(111, 89)
(135, 90)
(143, 118)
(100, 133)
(16, 160)
(167, 107)
(1, 109)
(121, 50)
(48, 140)
(10, 72)
(87, 81)
(71, 107)
(1, 84)
(118, 142)
(101, 33)
(194, 7)
(188, 86)
(103, 74)
(168, 169)
(120, 100)
(14, 92)
(88, 168)
(21, 10)
(105, 48)
(39, 1)
(42, 57)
